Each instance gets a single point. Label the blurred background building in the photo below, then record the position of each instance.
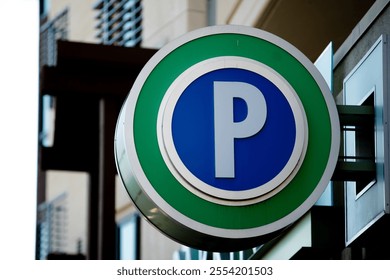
(90, 53)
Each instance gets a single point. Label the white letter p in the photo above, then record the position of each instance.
(226, 130)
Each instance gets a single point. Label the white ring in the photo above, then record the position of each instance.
(186, 177)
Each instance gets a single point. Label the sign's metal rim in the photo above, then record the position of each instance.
(163, 215)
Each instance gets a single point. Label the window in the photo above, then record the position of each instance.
(360, 144)
(128, 238)
(365, 147)
(119, 22)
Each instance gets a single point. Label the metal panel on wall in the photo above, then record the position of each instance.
(366, 201)
(324, 64)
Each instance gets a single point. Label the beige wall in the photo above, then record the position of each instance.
(240, 12)
(225, 10)
(165, 20)
(123, 204)
(81, 18)
(248, 12)
(75, 186)
(155, 245)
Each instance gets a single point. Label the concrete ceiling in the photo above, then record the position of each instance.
(311, 24)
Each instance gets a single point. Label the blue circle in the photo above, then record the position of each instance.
(259, 158)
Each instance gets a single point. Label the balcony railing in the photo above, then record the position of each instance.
(52, 227)
(50, 32)
(119, 22)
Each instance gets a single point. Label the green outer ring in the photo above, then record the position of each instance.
(190, 205)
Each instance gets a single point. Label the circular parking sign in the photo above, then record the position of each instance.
(228, 136)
